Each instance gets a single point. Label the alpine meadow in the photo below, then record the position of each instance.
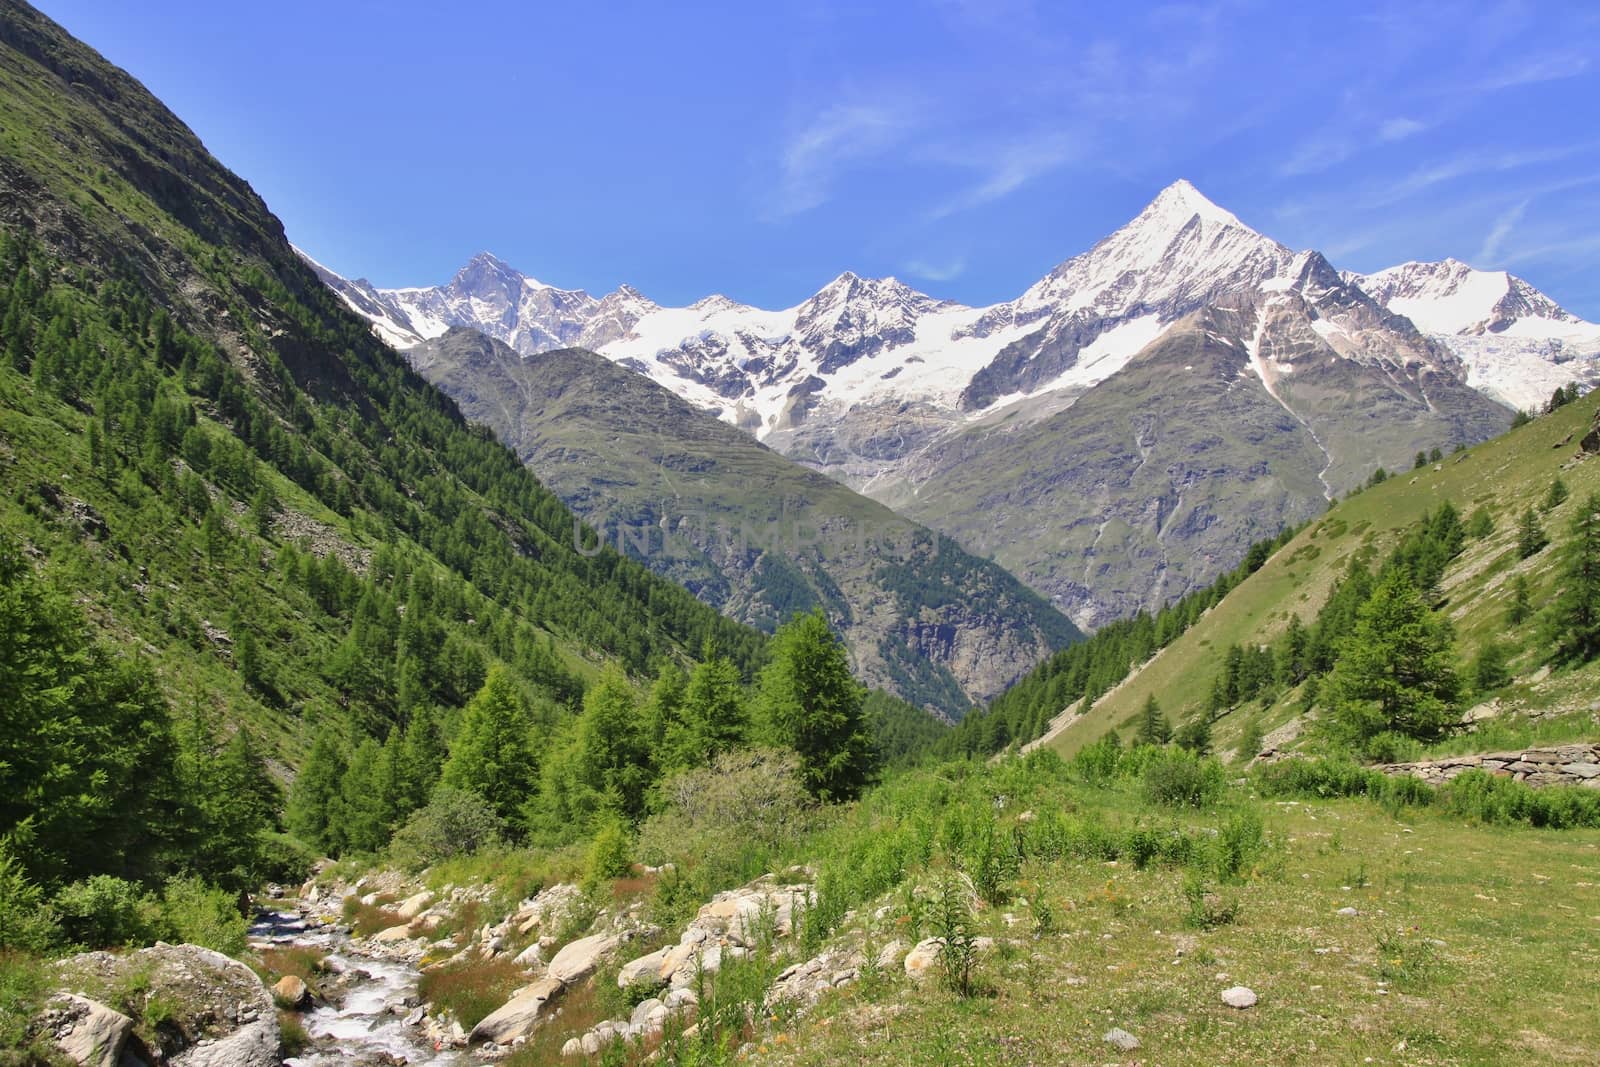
(1186, 652)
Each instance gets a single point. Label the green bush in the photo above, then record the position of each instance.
(1179, 778)
(454, 823)
(1239, 841)
(201, 914)
(27, 923)
(106, 912)
(284, 859)
(608, 853)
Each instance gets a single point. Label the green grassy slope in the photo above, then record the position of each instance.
(1503, 476)
(749, 531)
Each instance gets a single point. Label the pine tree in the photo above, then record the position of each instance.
(1575, 615)
(1293, 647)
(1195, 735)
(810, 702)
(492, 752)
(613, 760)
(1521, 606)
(1489, 670)
(1395, 672)
(1531, 537)
(713, 714)
(1556, 496)
(314, 813)
(1154, 729)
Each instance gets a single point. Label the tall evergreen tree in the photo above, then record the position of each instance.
(713, 716)
(1531, 537)
(314, 813)
(1575, 615)
(810, 702)
(613, 759)
(1396, 671)
(1154, 729)
(492, 753)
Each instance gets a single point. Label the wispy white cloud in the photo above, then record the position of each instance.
(839, 137)
(935, 271)
(1008, 167)
(1399, 128)
(1537, 69)
(1502, 229)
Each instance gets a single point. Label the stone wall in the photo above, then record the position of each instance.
(1563, 765)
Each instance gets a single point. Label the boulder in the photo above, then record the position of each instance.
(891, 955)
(579, 959)
(221, 1015)
(641, 1012)
(573, 1047)
(518, 1017)
(390, 935)
(292, 992)
(921, 959)
(646, 970)
(87, 1031)
(413, 906)
(1239, 996)
(1120, 1038)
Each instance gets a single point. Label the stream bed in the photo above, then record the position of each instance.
(368, 1024)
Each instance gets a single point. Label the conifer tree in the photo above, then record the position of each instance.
(1521, 606)
(492, 752)
(1575, 615)
(1531, 537)
(1154, 729)
(1395, 672)
(810, 702)
(713, 714)
(613, 760)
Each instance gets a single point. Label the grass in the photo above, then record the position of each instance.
(368, 919)
(1463, 952)
(470, 990)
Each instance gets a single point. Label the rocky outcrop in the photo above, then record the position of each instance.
(520, 1015)
(1577, 765)
(87, 1031)
(221, 1015)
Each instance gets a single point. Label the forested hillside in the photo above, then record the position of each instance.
(232, 520)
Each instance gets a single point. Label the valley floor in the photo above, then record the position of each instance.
(1470, 945)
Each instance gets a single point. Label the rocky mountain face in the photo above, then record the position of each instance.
(1517, 344)
(904, 397)
(747, 530)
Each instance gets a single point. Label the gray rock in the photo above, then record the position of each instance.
(91, 1033)
(1120, 1038)
(1348, 912)
(518, 1016)
(579, 960)
(1239, 997)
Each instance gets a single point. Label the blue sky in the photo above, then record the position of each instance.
(965, 146)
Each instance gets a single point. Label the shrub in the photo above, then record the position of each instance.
(951, 919)
(26, 922)
(201, 914)
(1207, 910)
(1179, 778)
(608, 854)
(1100, 762)
(283, 859)
(1239, 841)
(453, 823)
(105, 912)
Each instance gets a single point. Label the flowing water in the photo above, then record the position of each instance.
(368, 1025)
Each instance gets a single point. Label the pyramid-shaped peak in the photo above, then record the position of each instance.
(487, 264)
(1181, 201)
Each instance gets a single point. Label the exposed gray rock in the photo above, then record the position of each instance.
(87, 1031)
(1120, 1038)
(1239, 996)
